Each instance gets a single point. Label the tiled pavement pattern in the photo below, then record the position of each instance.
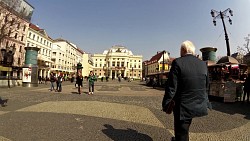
(116, 111)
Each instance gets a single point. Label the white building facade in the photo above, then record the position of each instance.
(117, 61)
(65, 57)
(38, 38)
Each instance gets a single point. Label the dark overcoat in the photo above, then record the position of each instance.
(187, 85)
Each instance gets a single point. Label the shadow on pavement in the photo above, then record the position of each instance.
(233, 108)
(124, 134)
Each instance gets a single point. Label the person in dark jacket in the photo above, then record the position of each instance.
(52, 80)
(246, 88)
(79, 80)
(186, 85)
(59, 83)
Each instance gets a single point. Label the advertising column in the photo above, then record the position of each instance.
(30, 69)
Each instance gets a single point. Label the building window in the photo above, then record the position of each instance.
(24, 27)
(18, 25)
(29, 34)
(7, 43)
(19, 61)
(34, 37)
(95, 65)
(9, 33)
(22, 38)
(16, 36)
(20, 49)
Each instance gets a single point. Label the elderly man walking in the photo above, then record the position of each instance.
(187, 86)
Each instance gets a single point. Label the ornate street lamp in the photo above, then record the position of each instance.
(216, 15)
(79, 68)
(163, 63)
(7, 59)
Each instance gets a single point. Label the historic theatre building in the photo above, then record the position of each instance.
(118, 61)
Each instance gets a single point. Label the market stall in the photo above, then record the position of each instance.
(226, 79)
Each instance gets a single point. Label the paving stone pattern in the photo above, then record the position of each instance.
(126, 111)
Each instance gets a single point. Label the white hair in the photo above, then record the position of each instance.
(188, 47)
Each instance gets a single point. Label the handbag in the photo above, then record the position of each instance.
(170, 107)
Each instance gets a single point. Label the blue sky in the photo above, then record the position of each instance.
(143, 26)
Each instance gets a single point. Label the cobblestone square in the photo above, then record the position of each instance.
(116, 111)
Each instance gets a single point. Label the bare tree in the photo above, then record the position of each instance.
(245, 49)
(244, 52)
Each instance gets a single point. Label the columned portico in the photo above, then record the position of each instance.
(117, 61)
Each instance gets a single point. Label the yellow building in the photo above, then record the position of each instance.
(154, 66)
(117, 61)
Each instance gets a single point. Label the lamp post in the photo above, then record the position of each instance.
(132, 73)
(215, 14)
(7, 59)
(163, 62)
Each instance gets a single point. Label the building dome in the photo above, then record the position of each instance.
(118, 49)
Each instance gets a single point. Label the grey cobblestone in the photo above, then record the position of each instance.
(226, 122)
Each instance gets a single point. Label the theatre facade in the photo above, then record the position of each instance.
(117, 61)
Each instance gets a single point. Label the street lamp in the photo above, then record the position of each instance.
(132, 73)
(163, 63)
(216, 15)
(7, 59)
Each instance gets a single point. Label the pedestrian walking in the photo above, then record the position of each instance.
(246, 88)
(59, 83)
(154, 82)
(46, 79)
(91, 80)
(40, 79)
(52, 81)
(119, 78)
(79, 80)
(186, 89)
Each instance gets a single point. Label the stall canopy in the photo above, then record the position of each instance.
(227, 60)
